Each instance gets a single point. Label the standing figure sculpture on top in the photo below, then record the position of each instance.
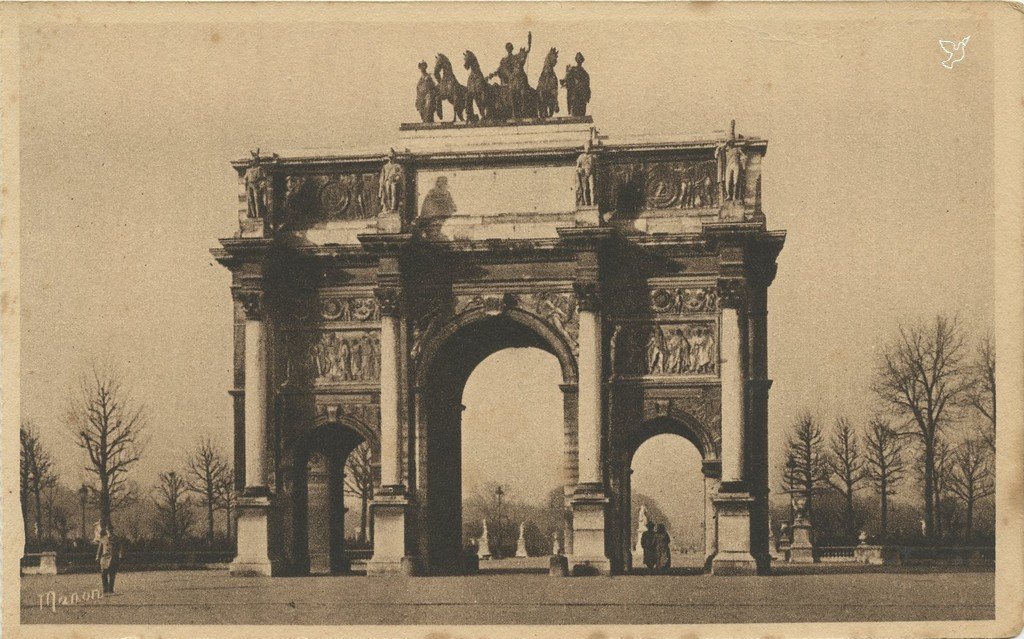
(392, 181)
(511, 97)
(732, 163)
(428, 103)
(577, 88)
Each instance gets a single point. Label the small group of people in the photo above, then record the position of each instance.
(655, 543)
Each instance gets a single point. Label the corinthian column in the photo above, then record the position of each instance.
(256, 553)
(733, 502)
(255, 391)
(589, 502)
(390, 461)
(391, 503)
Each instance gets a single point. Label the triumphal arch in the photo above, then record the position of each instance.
(368, 285)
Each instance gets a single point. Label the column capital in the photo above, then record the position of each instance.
(252, 303)
(389, 299)
(732, 293)
(589, 295)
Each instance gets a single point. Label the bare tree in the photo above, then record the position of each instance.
(109, 426)
(36, 467)
(972, 477)
(884, 465)
(943, 478)
(806, 467)
(205, 473)
(359, 482)
(921, 375)
(174, 508)
(981, 393)
(846, 469)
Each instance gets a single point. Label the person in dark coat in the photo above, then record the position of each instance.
(109, 553)
(647, 542)
(661, 544)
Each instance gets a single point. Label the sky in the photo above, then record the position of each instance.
(878, 167)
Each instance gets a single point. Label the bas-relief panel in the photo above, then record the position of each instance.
(315, 198)
(341, 345)
(497, 191)
(632, 187)
(665, 349)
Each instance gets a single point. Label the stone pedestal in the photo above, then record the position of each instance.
(733, 556)
(390, 510)
(802, 550)
(389, 222)
(588, 517)
(588, 216)
(521, 544)
(255, 523)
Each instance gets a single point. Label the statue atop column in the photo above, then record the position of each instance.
(484, 544)
(521, 544)
(586, 167)
(392, 181)
(427, 102)
(259, 186)
(732, 162)
(577, 87)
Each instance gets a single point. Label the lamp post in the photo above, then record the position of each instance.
(83, 493)
(498, 531)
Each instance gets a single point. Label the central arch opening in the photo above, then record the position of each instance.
(494, 420)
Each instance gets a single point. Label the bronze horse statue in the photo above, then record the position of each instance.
(449, 88)
(498, 102)
(547, 86)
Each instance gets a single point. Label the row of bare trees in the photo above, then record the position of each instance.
(929, 386)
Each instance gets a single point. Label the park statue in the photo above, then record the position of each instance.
(577, 88)
(428, 102)
(259, 186)
(586, 167)
(392, 181)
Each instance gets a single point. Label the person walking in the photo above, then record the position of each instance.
(647, 542)
(664, 554)
(109, 553)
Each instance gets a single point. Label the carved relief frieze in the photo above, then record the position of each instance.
(665, 349)
(366, 413)
(683, 300)
(312, 198)
(333, 357)
(631, 187)
(335, 308)
(698, 408)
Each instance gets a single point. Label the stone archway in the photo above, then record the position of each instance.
(688, 428)
(449, 358)
(318, 508)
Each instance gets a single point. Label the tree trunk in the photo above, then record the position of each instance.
(104, 502)
(209, 519)
(362, 517)
(849, 514)
(24, 511)
(929, 490)
(39, 512)
(970, 517)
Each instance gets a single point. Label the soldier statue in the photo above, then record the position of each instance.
(731, 166)
(577, 88)
(392, 178)
(512, 62)
(257, 187)
(586, 165)
(427, 102)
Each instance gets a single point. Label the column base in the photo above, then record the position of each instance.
(588, 524)
(390, 508)
(733, 556)
(255, 528)
(588, 215)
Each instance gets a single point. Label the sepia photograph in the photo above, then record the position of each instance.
(512, 319)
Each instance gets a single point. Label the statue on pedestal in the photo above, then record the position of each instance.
(428, 102)
(392, 181)
(577, 88)
(521, 544)
(258, 186)
(586, 166)
(483, 550)
(732, 162)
